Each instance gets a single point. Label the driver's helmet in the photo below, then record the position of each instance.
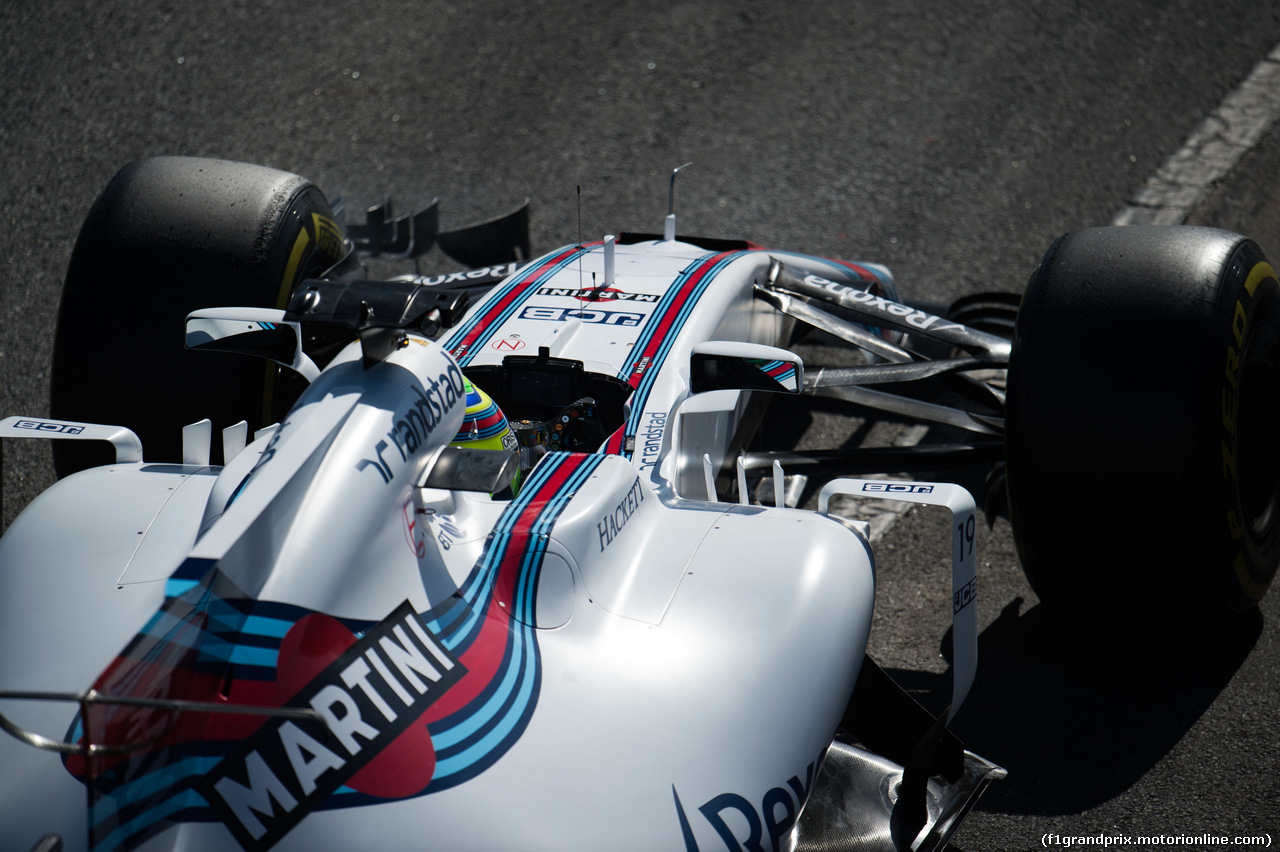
(485, 427)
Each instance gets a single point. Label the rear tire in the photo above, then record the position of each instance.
(1143, 427)
(167, 236)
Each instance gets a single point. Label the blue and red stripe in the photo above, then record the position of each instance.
(512, 294)
(474, 727)
(659, 335)
(779, 371)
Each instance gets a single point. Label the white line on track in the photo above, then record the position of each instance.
(1211, 151)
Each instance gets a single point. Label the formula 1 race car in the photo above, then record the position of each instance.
(503, 558)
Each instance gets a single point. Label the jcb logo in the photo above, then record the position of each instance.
(50, 428)
(896, 488)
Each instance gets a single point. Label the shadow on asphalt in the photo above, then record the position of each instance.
(1077, 722)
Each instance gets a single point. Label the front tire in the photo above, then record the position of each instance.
(167, 236)
(1143, 427)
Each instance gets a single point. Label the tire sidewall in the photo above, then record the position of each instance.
(1120, 449)
(1239, 467)
(168, 236)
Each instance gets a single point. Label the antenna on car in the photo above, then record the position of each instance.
(579, 236)
(609, 242)
(669, 226)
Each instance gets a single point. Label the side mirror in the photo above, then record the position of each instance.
(729, 365)
(260, 332)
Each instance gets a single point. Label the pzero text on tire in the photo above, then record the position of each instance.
(1143, 418)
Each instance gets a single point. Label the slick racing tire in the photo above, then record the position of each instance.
(167, 236)
(1143, 427)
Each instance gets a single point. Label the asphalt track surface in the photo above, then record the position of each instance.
(952, 142)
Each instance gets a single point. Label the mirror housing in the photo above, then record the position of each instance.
(732, 365)
(260, 332)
